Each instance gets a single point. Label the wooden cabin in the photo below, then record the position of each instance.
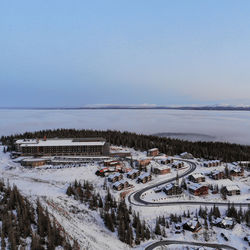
(198, 189)
(192, 225)
(217, 175)
(133, 174)
(115, 177)
(143, 178)
(172, 189)
(232, 190)
(153, 152)
(196, 177)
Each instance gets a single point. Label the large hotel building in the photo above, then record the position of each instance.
(76, 146)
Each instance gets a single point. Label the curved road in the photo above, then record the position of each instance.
(170, 242)
(137, 197)
(140, 202)
(137, 194)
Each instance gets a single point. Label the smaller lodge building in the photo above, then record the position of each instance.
(236, 171)
(162, 170)
(186, 155)
(119, 185)
(214, 163)
(115, 177)
(33, 162)
(153, 152)
(172, 189)
(226, 222)
(217, 174)
(178, 164)
(192, 225)
(143, 178)
(232, 190)
(198, 189)
(133, 174)
(196, 177)
(143, 162)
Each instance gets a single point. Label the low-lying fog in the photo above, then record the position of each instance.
(231, 126)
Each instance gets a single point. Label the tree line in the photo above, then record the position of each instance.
(209, 150)
(23, 227)
(117, 217)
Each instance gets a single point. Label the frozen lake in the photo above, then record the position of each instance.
(231, 126)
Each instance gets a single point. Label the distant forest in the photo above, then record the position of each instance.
(209, 150)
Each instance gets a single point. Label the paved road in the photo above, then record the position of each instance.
(137, 194)
(170, 242)
(140, 202)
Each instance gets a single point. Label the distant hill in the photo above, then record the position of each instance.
(213, 107)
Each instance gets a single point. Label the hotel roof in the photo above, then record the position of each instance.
(61, 142)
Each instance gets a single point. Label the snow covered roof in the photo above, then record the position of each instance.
(119, 151)
(133, 171)
(227, 221)
(114, 175)
(123, 181)
(144, 175)
(61, 142)
(177, 162)
(26, 141)
(157, 189)
(236, 169)
(118, 183)
(195, 186)
(168, 186)
(33, 159)
(217, 220)
(192, 223)
(216, 172)
(197, 175)
(232, 188)
(184, 153)
(162, 158)
(212, 161)
(152, 149)
(162, 167)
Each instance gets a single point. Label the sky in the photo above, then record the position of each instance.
(65, 53)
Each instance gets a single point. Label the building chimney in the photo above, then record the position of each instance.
(45, 138)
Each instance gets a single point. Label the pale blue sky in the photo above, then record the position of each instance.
(73, 53)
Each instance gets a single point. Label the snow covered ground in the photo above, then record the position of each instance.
(84, 225)
(50, 186)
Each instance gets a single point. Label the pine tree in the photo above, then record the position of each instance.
(35, 243)
(147, 234)
(69, 191)
(157, 228)
(3, 244)
(137, 237)
(184, 184)
(100, 203)
(130, 209)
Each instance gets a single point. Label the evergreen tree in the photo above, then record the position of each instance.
(157, 227)
(3, 244)
(147, 233)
